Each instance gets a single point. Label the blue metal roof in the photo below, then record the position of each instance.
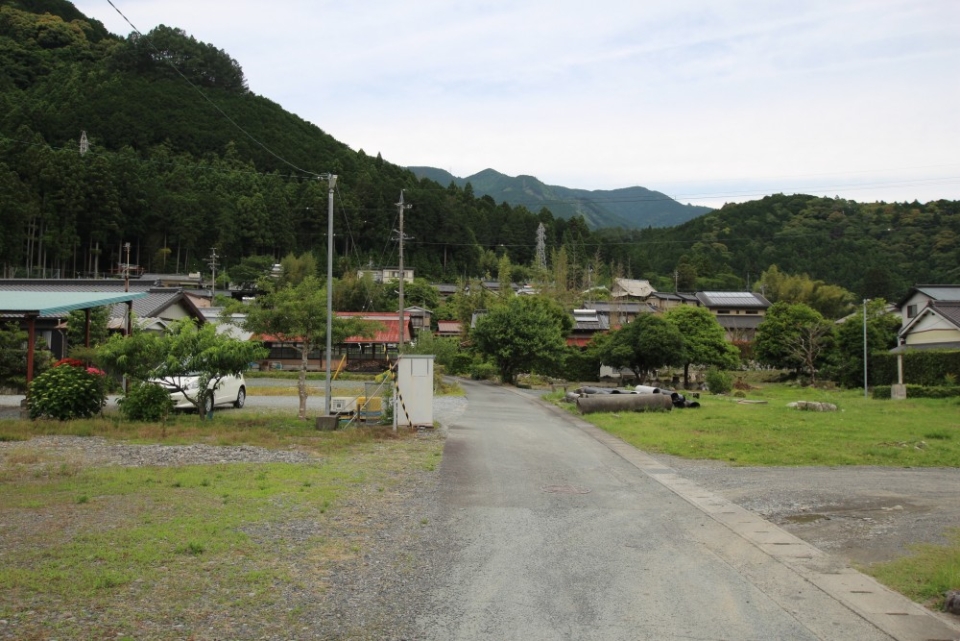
(33, 303)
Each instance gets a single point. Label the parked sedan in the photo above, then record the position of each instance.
(231, 390)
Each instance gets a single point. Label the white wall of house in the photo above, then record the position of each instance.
(931, 328)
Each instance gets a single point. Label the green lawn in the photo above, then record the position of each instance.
(761, 430)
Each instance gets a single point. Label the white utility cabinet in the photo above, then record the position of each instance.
(415, 390)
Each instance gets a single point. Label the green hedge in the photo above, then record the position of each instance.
(920, 391)
(930, 368)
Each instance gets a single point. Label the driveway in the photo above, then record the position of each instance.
(555, 530)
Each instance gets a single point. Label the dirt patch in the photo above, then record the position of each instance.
(862, 514)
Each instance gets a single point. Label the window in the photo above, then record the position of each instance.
(911, 311)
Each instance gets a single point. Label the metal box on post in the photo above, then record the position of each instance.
(414, 390)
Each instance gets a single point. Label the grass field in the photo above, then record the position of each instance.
(761, 430)
(115, 552)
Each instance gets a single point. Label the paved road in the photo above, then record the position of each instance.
(558, 531)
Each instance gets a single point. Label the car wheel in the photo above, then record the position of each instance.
(241, 398)
(208, 404)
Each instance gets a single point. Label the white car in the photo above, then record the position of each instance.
(231, 390)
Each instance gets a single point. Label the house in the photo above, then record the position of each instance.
(420, 318)
(625, 288)
(586, 324)
(356, 353)
(618, 313)
(386, 274)
(665, 301)
(449, 329)
(739, 313)
(935, 326)
(445, 290)
(920, 296)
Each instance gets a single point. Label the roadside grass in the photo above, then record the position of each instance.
(144, 546)
(312, 390)
(924, 575)
(764, 431)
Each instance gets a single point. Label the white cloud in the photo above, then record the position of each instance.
(690, 97)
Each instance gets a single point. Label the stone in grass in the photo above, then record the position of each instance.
(952, 603)
(813, 406)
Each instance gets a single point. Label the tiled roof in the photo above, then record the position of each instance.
(950, 310)
(448, 327)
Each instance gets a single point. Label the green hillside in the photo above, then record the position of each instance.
(629, 208)
(183, 158)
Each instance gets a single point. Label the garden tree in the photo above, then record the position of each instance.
(686, 276)
(882, 330)
(296, 269)
(419, 293)
(525, 333)
(248, 272)
(297, 315)
(647, 343)
(830, 300)
(77, 327)
(704, 341)
(811, 343)
(504, 273)
(184, 349)
(793, 336)
(471, 297)
(354, 293)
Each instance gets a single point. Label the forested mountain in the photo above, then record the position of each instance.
(183, 158)
(872, 249)
(630, 208)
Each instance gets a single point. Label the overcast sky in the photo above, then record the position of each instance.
(709, 102)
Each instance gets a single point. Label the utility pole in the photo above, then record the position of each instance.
(331, 182)
(400, 207)
(865, 395)
(126, 288)
(542, 247)
(213, 268)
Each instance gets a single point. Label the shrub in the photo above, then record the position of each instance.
(718, 381)
(146, 402)
(482, 371)
(460, 363)
(67, 392)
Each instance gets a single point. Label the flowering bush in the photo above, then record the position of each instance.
(67, 391)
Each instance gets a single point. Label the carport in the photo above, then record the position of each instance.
(29, 306)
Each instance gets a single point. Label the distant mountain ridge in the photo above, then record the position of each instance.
(629, 208)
